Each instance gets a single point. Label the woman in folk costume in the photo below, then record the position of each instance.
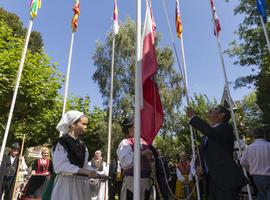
(42, 168)
(70, 159)
(125, 153)
(43, 165)
(98, 186)
(184, 184)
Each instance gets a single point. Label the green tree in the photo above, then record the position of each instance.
(38, 88)
(167, 78)
(250, 50)
(173, 144)
(38, 107)
(248, 115)
(13, 21)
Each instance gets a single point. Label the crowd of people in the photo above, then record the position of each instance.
(70, 173)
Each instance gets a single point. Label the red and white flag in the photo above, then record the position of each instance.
(217, 27)
(151, 111)
(115, 19)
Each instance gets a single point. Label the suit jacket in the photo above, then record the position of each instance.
(217, 152)
(4, 165)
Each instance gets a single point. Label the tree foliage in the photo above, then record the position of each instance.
(38, 88)
(13, 21)
(250, 50)
(38, 106)
(167, 78)
(248, 115)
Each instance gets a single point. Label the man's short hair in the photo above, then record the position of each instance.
(258, 133)
(227, 114)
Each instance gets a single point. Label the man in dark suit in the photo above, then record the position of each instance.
(224, 176)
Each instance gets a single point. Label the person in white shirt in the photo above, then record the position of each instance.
(256, 158)
(70, 159)
(125, 153)
(8, 171)
(99, 187)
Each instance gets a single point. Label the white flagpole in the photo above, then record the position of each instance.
(184, 76)
(110, 107)
(171, 34)
(265, 33)
(188, 103)
(137, 151)
(67, 76)
(229, 95)
(16, 89)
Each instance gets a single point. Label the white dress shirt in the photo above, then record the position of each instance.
(257, 157)
(125, 154)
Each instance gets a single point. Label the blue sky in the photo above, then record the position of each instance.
(202, 58)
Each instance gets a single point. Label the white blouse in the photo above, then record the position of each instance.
(61, 163)
(125, 154)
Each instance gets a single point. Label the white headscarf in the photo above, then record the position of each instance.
(67, 120)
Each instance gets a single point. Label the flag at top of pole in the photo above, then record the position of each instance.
(115, 19)
(178, 21)
(34, 5)
(152, 111)
(76, 10)
(261, 9)
(217, 27)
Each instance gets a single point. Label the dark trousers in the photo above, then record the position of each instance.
(115, 188)
(216, 193)
(263, 186)
(163, 188)
(130, 195)
(7, 188)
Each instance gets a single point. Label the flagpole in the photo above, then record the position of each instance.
(188, 103)
(265, 33)
(110, 107)
(229, 95)
(137, 152)
(184, 76)
(16, 89)
(67, 76)
(170, 30)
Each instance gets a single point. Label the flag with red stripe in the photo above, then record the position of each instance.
(217, 27)
(115, 18)
(151, 111)
(76, 10)
(178, 21)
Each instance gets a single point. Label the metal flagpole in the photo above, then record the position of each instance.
(110, 107)
(184, 75)
(229, 94)
(137, 151)
(174, 47)
(16, 89)
(67, 76)
(265, 34)
(188, 103)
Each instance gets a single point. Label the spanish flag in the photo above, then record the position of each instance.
(34, 5)
(178, 22)
(76, 10)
